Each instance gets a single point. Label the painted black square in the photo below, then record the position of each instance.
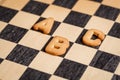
(31, 74)
(77, 19)
(116, 77)
(105, 61)
(6, 14)
(65, 3)
(70, 70)
(115, 30)
(79, 39)
(35, 7)
(54, 27)
(98, 0)
(1, 60)
(107, 12)
(12, 33)
(22, 55)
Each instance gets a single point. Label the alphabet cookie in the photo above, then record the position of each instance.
(90, 42)
(57, 46)
(45, 26)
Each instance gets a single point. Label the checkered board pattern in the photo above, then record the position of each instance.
(22, 54)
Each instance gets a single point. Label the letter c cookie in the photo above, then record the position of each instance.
(90, 42)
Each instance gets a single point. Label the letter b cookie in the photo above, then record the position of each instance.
(57, 46)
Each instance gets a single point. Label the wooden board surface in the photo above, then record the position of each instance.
(22, 54)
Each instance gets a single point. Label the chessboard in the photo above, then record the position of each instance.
(22, 49)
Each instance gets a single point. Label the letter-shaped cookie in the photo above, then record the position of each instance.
(45, 26)
(87, 38)
(57, 46)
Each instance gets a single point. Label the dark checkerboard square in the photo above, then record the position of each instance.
(31, 74)
(105, 61)
(107, 12)
(22, 55)
(115, 30)
(6, 14)
(116, 77)
(1, 60)
(65, 3)
(77, 19)
(79, 39)
(70, 70)
(12, 33)
(35, 7)
(54, 27)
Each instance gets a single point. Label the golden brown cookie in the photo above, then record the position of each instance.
(45, 26)
(87, 38)
(57, 46)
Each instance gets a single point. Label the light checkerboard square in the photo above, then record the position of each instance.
(70, 32)
(2, 25)
(24, 19)
(6, 47)
(118, 70)
(40, 39)
(111, 45)
(101, 24)
(46, 62)
(86, 6)
(11, 73)
(81, 54)
(118, 18)
(113, 3)
(92, 74)
(15, 4)
(53, 77)
(58, 13)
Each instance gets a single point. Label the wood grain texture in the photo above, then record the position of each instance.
(13, 33)
(105, 61)
(22, 55)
